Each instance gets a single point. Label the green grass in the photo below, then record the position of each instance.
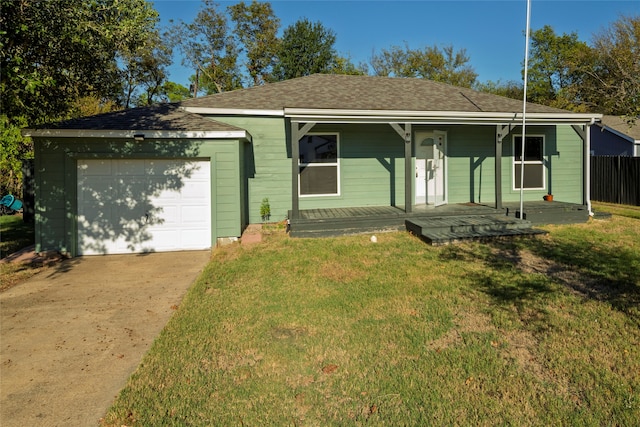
(347, 332)
(622, 210)
(15, 234)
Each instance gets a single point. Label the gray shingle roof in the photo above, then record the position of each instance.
(342, 92)
(163, 117)
(619, 124)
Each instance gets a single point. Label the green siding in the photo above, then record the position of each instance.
(563, 164)
(371, 171)
(267, 166)
(471, 164)
(567, 166)
(56, 178)
(372, 165)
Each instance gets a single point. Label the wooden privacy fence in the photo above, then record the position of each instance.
(615, 179)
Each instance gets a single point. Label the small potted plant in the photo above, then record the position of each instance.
(548, 197)
(265, 210)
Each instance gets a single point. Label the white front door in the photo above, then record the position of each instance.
(431, 164)
(143, 205)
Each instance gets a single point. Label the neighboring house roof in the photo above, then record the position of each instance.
(157, 121)
(621, 127)
(375, 95)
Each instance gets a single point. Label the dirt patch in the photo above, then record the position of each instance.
(579, 283)
(514, 345)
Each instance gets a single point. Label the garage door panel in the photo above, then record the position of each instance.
(167, 216)
(128, 167)
(136, 205)
(193, 215)
(98, 168)
(195, 190)
(164, 239)
(191, 238)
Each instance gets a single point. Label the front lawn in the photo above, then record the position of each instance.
(344, 331)
(15, 234)
(622, 210)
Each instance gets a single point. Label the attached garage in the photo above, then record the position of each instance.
(151, 179)
(143, 205)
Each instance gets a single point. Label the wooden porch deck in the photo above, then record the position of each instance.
(440, 224)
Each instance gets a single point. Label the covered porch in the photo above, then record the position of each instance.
(437, 225)
(458, 161)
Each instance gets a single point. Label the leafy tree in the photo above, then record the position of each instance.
(90, 106)
(209, 49)
(611, 70)
(54, 52)
(554, 68)
(14, 148)
(343, 65)
(145, 71)
(306, 48)
(59, 58)
(256, 28)
(510, 89)
(442, 65)
(174, 92)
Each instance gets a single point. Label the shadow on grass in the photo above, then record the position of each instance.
(525, 272)
(15, 234)
(608, 274)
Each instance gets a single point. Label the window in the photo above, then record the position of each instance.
(319, 165)
(533, 162)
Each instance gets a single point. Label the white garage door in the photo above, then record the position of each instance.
(142, 205)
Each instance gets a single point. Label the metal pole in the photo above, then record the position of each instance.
(524, 108)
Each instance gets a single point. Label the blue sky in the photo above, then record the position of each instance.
(492, 32)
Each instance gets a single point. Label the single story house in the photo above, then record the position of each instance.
(614, 136)
(193, 174)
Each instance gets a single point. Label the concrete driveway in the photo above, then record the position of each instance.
(71, 336)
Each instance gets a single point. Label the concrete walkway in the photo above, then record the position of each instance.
(72, 335)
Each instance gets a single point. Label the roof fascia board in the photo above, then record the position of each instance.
(233, 111)
(130, 134)
(373, 116)
(436, 121)
(619, 134)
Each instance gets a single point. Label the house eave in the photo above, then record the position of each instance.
(133, 134)
(234, 111)
(435, 117)
(620, 134)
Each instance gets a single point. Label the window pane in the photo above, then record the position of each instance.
(533, 176)
(534, 148)
(318, 180)
(319, 149)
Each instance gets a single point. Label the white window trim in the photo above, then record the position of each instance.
(336, 164)
(536, 162)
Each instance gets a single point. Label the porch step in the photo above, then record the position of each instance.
(444, 230)
(551, 213)
(345, 226)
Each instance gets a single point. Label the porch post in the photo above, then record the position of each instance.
(408, 170)
(584, 133)
(498, 171)
(296, 133)
(295, 156)
(501, 132)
